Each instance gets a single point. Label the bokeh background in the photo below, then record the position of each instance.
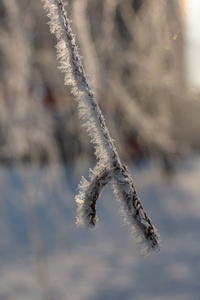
(143, 60)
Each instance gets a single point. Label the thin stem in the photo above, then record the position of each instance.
(87, 207)
(81, 79)
(106, 152)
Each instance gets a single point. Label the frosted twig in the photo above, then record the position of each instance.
(133, 210)
(88, 195)
(106, 152)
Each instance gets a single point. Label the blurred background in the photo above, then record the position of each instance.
(143, 60)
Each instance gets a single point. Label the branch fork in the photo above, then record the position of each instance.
(109, 167)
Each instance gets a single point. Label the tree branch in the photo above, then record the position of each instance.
(88, 195)
(106, 152)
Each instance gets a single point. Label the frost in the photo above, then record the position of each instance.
(109, 167)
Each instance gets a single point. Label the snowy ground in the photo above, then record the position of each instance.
(43, 255)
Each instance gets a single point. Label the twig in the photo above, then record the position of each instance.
(106, 152)
(89, 193)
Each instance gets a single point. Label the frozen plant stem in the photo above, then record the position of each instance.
(109, 166)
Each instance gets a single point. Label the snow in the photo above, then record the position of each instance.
(103, 263)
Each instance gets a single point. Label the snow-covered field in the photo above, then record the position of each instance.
(43, 255)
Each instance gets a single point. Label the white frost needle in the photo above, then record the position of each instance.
(109, 166)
